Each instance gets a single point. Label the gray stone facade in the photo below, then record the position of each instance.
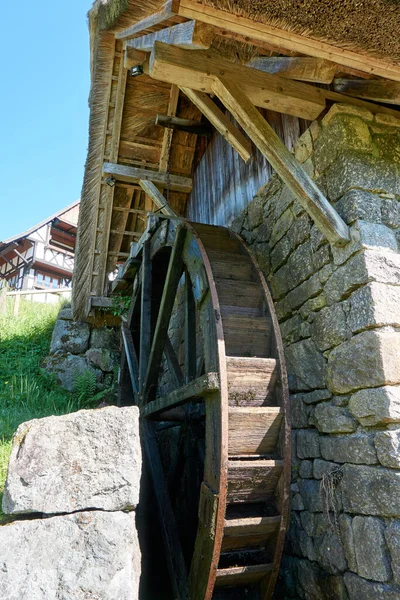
(339, 313)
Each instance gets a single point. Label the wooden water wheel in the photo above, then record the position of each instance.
(215, 374)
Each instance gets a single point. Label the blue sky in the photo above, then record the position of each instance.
(43, 104)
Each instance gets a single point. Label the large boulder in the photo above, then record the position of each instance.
(68, 367)
(70, 336)
(103, 358)
(84, 556)
(376, 406)
(90, 459)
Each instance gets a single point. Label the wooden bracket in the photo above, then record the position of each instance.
(284, 163)
(193, 35)
(134, 174)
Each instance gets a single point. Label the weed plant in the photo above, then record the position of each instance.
(26, 391)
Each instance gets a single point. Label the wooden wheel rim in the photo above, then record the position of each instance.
(213, 495)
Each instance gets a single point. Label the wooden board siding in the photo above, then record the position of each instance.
(223, 184)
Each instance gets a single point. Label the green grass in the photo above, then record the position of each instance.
(26, 392)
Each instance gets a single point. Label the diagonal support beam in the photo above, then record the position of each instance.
(168, 10)
(284, 163)
(157, 197)
(220, 121)
(134, 174)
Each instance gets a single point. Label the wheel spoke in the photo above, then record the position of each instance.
(173, 363)
(145, 315)
(176, 562)
(167, 302)
(190, 331)
(130, 357)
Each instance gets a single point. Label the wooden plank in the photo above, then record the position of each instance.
(167, 301)
(198, 70)
(167, 11)
(169, 530)
(287, 39)
(253, 481)
(133, 174)
(167, 137)
(302, 186)
(248, 532)
(242, 575)
(252, 381)
(220, 121)
(133, 57)
(254, 430)
(100, 302)
(192, 35)
(156, 196)
(145, 314)
(369, 89)
(315, 70)
(206, 384)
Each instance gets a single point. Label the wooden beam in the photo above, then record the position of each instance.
(370, 89)
(130, 356)
(145, 313)
(284, 163)
(136, 234)
(220, 121)
(173, 363)
(167, 11)
(187, 125)
(133, 57)
(193, 35)
(194, 389)
(156, 196)
(198, 69)
(133, 174)
(287, 39)
(167, 138)
(316, 70)
(100, 302)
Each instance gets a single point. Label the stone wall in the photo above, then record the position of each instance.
(78, 347)
(339, 313)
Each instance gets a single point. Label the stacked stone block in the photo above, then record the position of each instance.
(339, 314)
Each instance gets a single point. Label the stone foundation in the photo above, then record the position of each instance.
(339, 313)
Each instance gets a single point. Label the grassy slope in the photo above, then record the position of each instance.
(25, 391)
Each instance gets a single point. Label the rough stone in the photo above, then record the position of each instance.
(255, 212)
(88, 459)
(387, 120)
(330, 553)
(308, 443)
(290, 329)
(346, 278)
(299, 231)
(281, 226)
(374, 305)
(390, 212)
(305, 291)
(357, 449)
(317, 585)
(104, 359)
(87, 555)
(387, 444)
(347, 537)
(316, 396)
(300, 264)
(263, 257)
(345, 132)
(383, 266)
(306, 469)
(348, 109)
(299, 412)
(358, 204)
(340, 400)
(370, 546)
(361, 589)
(303, 147)
(329, 327)
(354, 170)
(306, 364)
(104, 338)
(312, 305)
(322, 467)
(317, 238)
(280, 253)
(371, 490)
(297, 502)
(65, 314)
(68, 367)
(334, 419)
(377, 406)
(365, 235)
(392, 536)
(309, 490)
(70, 336)
(369, 359)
